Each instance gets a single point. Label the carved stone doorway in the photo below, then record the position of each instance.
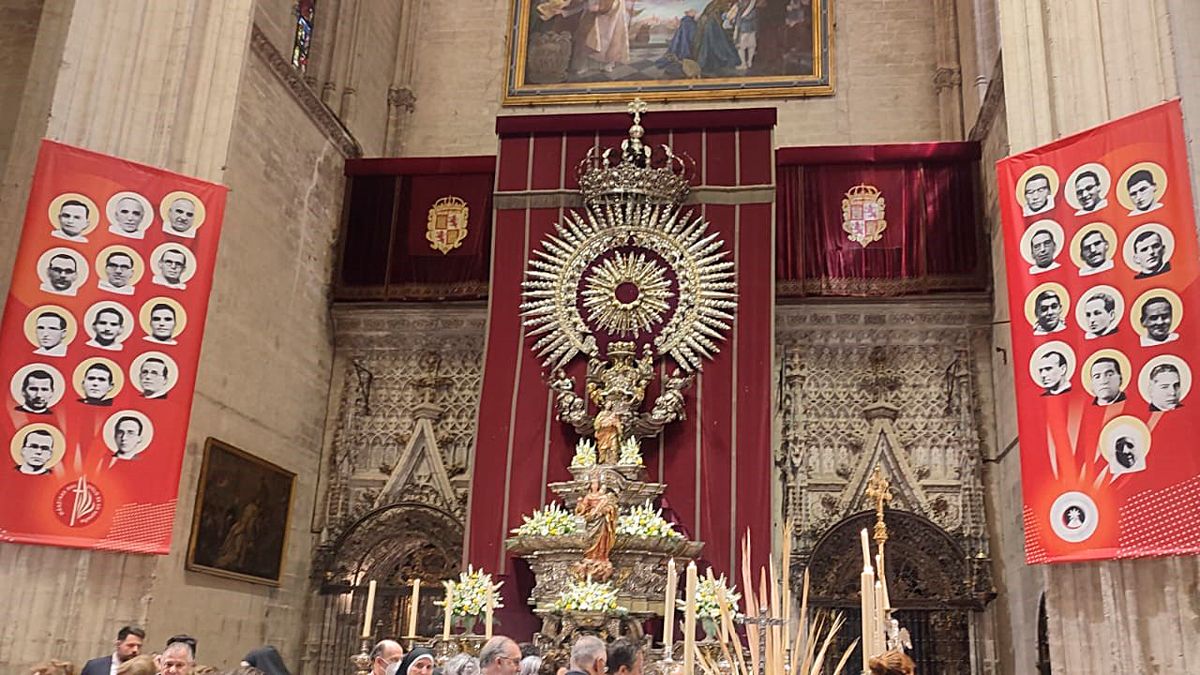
(930, 581)
(391, 545)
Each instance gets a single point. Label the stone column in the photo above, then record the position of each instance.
(154, 81)
(1069, 66)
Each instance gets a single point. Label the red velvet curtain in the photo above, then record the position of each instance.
(932, 241)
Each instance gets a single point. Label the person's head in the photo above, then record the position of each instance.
(1106, 379)
(499, 656)
(1157, 316)
(73, 217)
(461, 664)
(589, 655)
(50, 329)
(1124, 454)
(1164, 386)
(385, 653)
(129, 642)
(152, 376)
(1141, 189)
(37, 449)
(1100, 312)
(1093, 248)
(266, 659)
(1037, 191)
(625, 657)
(177, 658)
(129, 212)
(61, 271)
(37, 389)
(108, 325)
(1047, 308)
(1043, 248)
(119, 269)
(97, 381)
(893, 662)
(1087, 190)
(127, 434)
(180, 214)
(142, 664)
(419, 661)
(1148, 251)
(171, 265)
(52, 667)
(162, 321)
(1051, 370)
(530, 665)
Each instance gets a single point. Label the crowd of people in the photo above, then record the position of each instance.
(178, 657)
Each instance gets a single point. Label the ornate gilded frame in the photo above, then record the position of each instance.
(198, 533)
(518, 91)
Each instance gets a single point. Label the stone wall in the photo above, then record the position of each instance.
(18, 24)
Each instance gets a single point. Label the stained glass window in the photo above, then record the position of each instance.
(305, 9)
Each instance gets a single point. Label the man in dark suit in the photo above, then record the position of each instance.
(128, 645)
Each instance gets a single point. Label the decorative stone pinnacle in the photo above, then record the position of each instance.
(879, 489)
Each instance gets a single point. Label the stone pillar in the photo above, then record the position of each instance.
(948, 78)
(401, 99)
(154, 81)
(1068, 66)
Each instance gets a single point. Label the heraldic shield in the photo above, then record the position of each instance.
(447, 225)
(862, 214)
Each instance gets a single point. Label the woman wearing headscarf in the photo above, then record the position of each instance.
(266, 659)
(419, 661)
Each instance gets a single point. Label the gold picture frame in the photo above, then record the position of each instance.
(572, 51)
(243, 510)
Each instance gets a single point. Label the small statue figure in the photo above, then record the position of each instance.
(599, 511)
(571, 408)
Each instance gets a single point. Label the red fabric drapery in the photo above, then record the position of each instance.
(932, 241)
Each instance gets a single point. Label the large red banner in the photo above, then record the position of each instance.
(98, 345)
(1100, 244)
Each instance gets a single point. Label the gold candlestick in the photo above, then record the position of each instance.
(362, 660)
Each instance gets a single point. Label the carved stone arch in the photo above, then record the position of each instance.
(398, 542)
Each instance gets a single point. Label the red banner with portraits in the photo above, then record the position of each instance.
(1100, 244)
(98, 345)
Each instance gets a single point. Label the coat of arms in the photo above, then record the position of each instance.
(862, 214)
(447, 225)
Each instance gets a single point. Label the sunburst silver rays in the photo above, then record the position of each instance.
(607, 241)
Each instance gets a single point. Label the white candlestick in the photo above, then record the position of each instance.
(448, 599)
(366, 631)
(413, 607)
(689, 623)
(487, 634)
(669, 608)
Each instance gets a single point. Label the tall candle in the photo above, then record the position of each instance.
(881, 618)
(866, 548)
(366, 632)
(448, 601)
(669, 608)
(882, 576)
(689, 623)
(487, 634)
(413, 607)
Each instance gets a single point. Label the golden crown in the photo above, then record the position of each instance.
(635, 170)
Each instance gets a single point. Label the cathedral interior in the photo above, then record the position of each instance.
(386, 370)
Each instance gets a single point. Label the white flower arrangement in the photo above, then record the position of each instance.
(587, 596)
(631, 453)
(585, 454)
(708, 592)
(551, 521)
(470, 593)
(646, 522)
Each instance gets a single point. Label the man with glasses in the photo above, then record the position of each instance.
(171, 266)
(384, 654)
(501, 656)
(62, 271)
(118, 271)
(178, 658)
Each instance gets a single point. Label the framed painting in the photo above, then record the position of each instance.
(240, 524)
(587, 51)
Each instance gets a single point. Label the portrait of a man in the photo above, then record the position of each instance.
(1100, 315)
(1048, 311)
(37, 453)
(128, 217)
(1143, 192)
(1043, 248)
(1165, 388)
(98, 385)
(38, 392)
(1052, 373)
(181, 218)
(118, 273)
(50, 332)
(73, 221)
(1150, 254)
(153, 377)
(1089, 193)
(1157, 318)
(127, 437)
(108, 330)
(1127, 454)
(61, 274)
(162, 324)
(1038, 198)
(1106, 381)
(172, 265)
(1093, 251)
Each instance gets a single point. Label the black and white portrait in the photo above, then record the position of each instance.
(37, 449)
(129, 214)
(1148, 250)
(97, 381)
(1041, 245)
(50, 329)
(1144, 185)
(108, 324)
(37, 388)
(1095, 249)
(1157, 316)
(182, 214)
(72, 217)
(173, 266)
(119, 269)
(1052, 366)
(62, 271)
(1099, 312)
(1036, 189)
(153, 374)
(127, 433)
